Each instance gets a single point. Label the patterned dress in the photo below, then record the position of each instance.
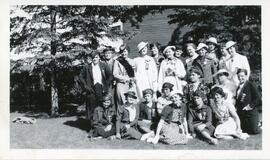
(172, 131)
(226, 124)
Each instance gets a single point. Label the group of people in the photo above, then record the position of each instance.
(165, 97)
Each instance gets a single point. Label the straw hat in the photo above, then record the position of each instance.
(168, 47)
(212, 40)
(201, 45)
(230, 44)
(141, 45)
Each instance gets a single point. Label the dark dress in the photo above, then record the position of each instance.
(249, 119)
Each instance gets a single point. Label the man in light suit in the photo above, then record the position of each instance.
(236, 61)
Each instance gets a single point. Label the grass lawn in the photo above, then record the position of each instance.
(71, 133)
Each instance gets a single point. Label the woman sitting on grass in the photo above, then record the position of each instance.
(228, 123)
(149, 116)
(172, 127)
(200, 118)
(165, 99)
(104, 119)
(127, 119)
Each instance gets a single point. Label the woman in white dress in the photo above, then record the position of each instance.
(146, 70)
(172, 70)
(228, 123)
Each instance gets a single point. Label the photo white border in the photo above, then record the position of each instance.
(6, 153)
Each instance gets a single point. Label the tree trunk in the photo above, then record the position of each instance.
(54, 96)
(54, 90)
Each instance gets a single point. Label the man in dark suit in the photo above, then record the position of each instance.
(95, 78)
(247, 102)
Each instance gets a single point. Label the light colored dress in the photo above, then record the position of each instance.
(162, 102)
(146, 74)
(226, 124)
(168, 71)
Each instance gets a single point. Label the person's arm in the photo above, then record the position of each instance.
(235, 117)
(154, 74)
(82, 79)
(255, 95)
(136, 117)
(208, 117)
(180, 69)
(246, 65)
(190, 123)
(161, 75)
(185, 126)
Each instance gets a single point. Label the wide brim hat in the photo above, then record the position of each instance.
(141, 45)
(222, 71)
(131, 94)
(168, 47)
(229, 44)
(212, 40)
(201, 45)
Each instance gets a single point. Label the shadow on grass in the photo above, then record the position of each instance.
(79, 123)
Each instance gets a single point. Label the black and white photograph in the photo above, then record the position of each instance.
(136, 77)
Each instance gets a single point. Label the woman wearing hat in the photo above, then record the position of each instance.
(171, 70)
(205, 64)
(124, 74)
(236, 61)
(146, 70)
(127, 119)
(228, 123)
(172, 127)
(213, 48)
(155, 49)
(228, 86)
(104, 119)
(200, 119)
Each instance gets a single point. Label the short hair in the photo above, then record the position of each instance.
(242, 70)
(109, 48)
(218, 90)
(158, 45)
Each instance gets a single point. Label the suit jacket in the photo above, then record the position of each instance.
(87, 80)
(248, 95)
